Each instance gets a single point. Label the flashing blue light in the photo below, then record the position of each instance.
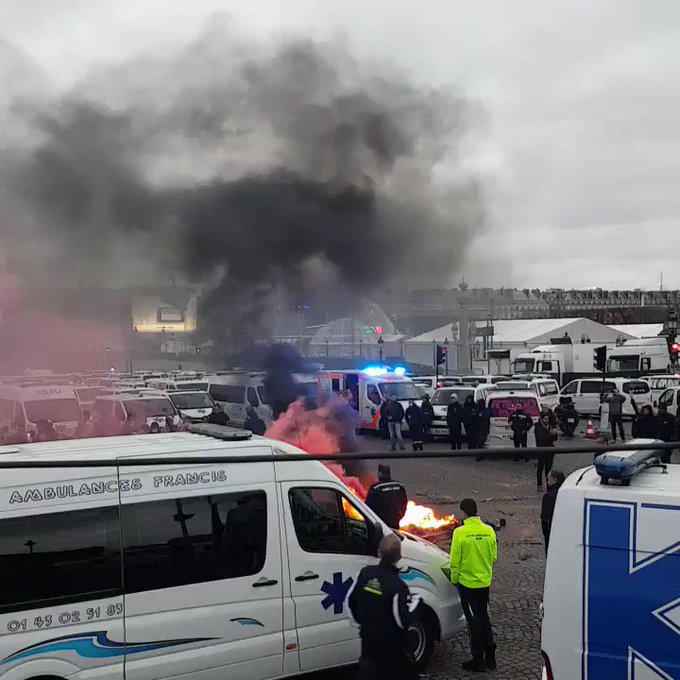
(375, 371)
(399, 370)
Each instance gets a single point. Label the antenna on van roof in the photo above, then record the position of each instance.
(224, 432)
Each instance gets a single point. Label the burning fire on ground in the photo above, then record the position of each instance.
(329, 429)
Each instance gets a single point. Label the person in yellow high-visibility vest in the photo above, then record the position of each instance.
(473, 554)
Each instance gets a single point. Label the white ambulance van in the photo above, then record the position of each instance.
(369, 387)
(215, 569)
(22, 408)
(611, 602)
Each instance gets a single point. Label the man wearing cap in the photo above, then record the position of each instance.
(387, 498)
(380, 603)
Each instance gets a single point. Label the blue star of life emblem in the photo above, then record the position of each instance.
(373, 411)
(336, 592)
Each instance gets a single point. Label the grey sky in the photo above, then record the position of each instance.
(579, 144)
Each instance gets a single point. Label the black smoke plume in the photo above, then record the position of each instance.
(251, 169)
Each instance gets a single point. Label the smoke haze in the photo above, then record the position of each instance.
(250, 168)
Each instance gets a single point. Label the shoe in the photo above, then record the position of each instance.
(539, 487)
(474, 665)
(490, 659)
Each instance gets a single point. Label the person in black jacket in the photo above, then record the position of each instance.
(380, 603)
(482, 425)
(520, 424)
(469, 421)
(454, 420)
(387, 498)
(668, 430)
(253, 422)
(395, 416)
(218, 416)
(428, 415)
(645, 425)
(544, 438)
(382, 423)
(416, 424)
(555, 481)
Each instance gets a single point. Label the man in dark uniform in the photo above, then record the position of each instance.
(520, 424)
(387, 498)
(218, 416)
(379, 602)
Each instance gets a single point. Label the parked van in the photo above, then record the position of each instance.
(24, 409)
(547, 389)
(231, 571)
(586, 394)
(117, 413)
(87, 394)
(670, 398)
(610, 601)
(501, 404)
(482, 379)
(194, 406)
(659, 383)
(183, 384)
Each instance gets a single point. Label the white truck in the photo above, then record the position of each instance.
(564, 362)
(640, 355)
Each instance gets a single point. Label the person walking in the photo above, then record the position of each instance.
(428, 415)
(615, 402)
(387, 498)
(416, 424)
(454, 420)
(395, 416)
(473, 554)
(554, 482)
(520, 424)
(545, 437)
(380, 603)
(668, 430)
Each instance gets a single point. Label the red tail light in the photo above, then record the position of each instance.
(547, 668)
(439, 384)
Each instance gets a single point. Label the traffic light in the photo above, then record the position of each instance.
(441, 355)
(600, 358)
(674, 350)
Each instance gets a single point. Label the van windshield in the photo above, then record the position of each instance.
(623, 363)
(503, 407)
(401, 390)
(149, 408)
(443, 396)
(524, 365)
(184, 400)
(55, 410)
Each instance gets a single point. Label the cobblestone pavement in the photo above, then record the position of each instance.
(503, 489)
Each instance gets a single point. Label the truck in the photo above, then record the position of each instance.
(562, 361)
(642, 355)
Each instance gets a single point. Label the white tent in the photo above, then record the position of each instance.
(639, 330)
(512, 334)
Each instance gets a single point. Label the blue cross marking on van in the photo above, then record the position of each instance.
(336, 592)
(631, 607)
(94, 645)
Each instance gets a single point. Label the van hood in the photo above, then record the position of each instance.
(195, 413)
(417, 549)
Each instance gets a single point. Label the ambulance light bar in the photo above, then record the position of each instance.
(624, 465)
(376, 371)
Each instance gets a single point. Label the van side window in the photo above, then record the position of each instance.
(373, 394)
(177, 542)
(335, 385)
(595, 387)
(571, 388)
(231, 393)
(639, 387)
(60, 557)
(666, 398)
(326, 522)
(252, 397)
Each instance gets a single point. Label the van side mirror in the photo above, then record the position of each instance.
(375, 535)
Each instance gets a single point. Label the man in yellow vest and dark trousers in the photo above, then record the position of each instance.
(473, 553)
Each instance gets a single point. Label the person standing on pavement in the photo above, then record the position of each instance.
(387, 498)
(482, 425)
(395, 417)
(380, 603)
(646, 424)
(218, 416)
(454, 420)
(545, 437)
(416, 424)
(520, 424)
(568, 416)
(382, 423)
(668, 430)
(615, 401)
(469, 421)
(428, 415)
(554, 482)
(473, 554)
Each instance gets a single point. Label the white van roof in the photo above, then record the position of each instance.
(651, 479)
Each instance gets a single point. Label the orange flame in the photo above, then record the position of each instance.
(423, 517)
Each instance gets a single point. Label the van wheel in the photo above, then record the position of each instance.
(422, 634)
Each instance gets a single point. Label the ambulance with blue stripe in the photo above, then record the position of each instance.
(612, 586)
(153, 557)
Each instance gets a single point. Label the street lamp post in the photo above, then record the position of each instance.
(381, 342)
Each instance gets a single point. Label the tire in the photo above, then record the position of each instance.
(422, 634)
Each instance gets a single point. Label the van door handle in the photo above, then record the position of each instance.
(264, 581)
(307, 576)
